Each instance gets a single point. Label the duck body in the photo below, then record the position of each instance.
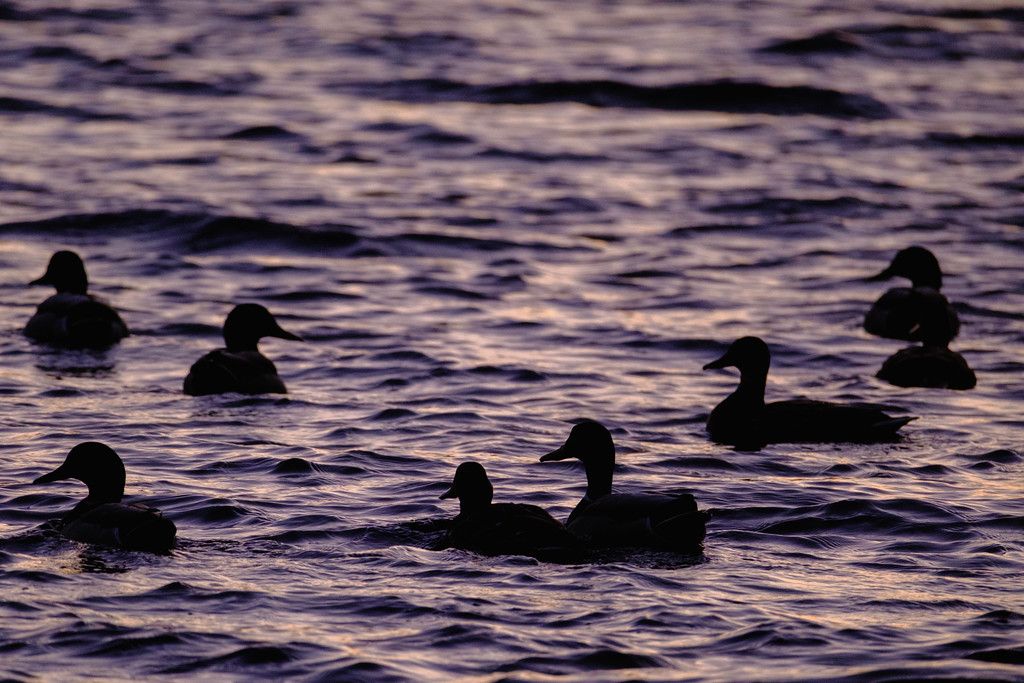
(932, 367)
(639, 519)
(606, 519)
(102, 517)
(72, 317)
(744, 420)
(239, 366)
(221, 371)
(124, 525)
(897, 312)
(500, 528)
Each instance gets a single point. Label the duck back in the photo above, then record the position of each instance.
(922, 366)
(898, 311)
(76, 320)
(803, 420)
(222, 371)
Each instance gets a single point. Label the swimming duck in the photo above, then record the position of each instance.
(932, 364)
(744, 420)
(499, 528)
(101, 517)
(896, 311)
(72, 317)
(603, 518)
(240, 367)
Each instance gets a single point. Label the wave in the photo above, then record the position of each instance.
(750, 97)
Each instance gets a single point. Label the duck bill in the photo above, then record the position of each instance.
(57, 475)
(450, 493)
(886, 274)
(562, 453)
(44, 280)
(722, 362)
(282, 333)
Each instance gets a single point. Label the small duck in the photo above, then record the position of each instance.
(101, 517)
(500, 528)
(744, 420)
(72, 317)
(240, 367)
(896, 311)
(603, 518)
(932, 364)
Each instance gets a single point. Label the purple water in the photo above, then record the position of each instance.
(489, 219)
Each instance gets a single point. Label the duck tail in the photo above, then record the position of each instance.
(685, 530)
(891, 426)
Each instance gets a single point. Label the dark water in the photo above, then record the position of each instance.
(489, 219)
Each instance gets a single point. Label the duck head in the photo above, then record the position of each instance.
(917, 264)
(591, 443)
(97, 466)
(66, 273)
(471, 486)
(750, 355)
(246, 324)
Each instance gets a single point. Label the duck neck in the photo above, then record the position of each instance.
(928, 277)
(599, 475)
(752, 385)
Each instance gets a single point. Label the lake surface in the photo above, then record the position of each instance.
(489, 219)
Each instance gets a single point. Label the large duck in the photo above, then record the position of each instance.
(743, 419)
(604, 519)
(101, 517)
(897, 311)
(239, 366)
(500, 528)
(72, 317)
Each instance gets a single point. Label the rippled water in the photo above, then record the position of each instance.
(489, 219)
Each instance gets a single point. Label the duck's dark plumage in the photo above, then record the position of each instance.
(896, 312)
(240, 367)
(743, 419)
(932, 364)
(603, 518)
(72, 317)
(500, 528)
(101, 517)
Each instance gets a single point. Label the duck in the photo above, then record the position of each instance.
(102, 518)
(932, 364)
(500, 528)
(606, 519)
(896, 311)
(72, 317)
(240, 367)
(744, 420)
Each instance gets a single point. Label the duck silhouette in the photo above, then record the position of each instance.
(240, 367)
(72, 317)
(606, 519)
(500, 528)
(101, 517)
(932, 364)
(897, 311)
(744, 420)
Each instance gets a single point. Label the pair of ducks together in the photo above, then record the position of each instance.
(919, 313)
(601, 519)
(74, 318)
